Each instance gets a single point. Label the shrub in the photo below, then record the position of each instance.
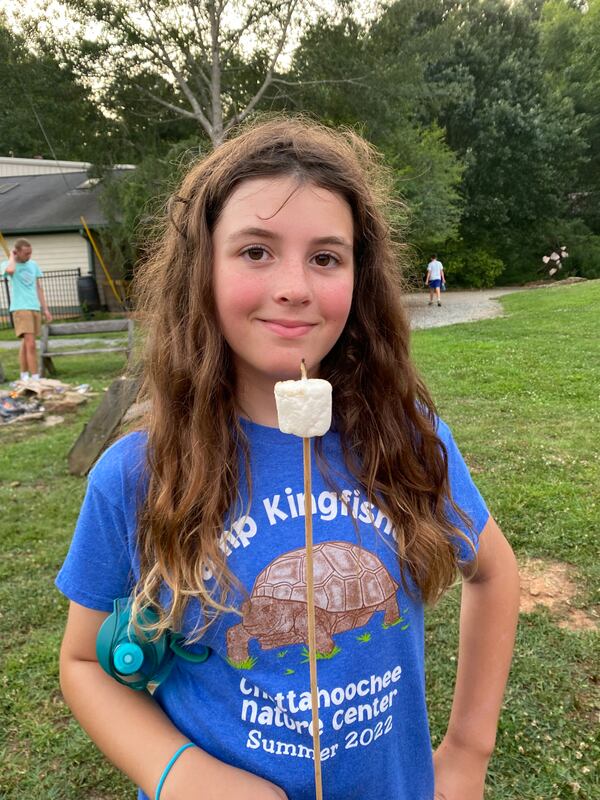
(473, 267)
(583, 247)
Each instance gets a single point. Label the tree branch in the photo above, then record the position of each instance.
(183, 84)
(183, 112)
(237, 118)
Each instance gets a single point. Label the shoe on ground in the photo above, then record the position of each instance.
(430, 303)
(439, 304)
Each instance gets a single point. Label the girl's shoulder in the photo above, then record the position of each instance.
(443, 431)
(120, 468)
(444, 434)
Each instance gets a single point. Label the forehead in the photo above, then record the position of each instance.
(283, 200)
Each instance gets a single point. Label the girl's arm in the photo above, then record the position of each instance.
(133, 731)
(488, 621)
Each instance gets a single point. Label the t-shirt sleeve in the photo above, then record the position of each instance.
(38, 271)
(464, 493)
(98, 566)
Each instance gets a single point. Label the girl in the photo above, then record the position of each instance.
(277, 249)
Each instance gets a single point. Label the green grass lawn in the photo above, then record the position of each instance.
(521, 395)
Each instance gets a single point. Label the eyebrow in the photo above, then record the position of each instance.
(267, 234)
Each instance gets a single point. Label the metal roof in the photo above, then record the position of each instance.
(50, 202)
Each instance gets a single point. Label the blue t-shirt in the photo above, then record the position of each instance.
(249, 703)
(23, 285)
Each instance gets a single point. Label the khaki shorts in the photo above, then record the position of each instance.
(27, 322)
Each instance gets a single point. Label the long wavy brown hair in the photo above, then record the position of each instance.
(382, 411)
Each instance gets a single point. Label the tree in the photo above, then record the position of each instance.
(217, 58)
(570, 40)
(135, 200)
(41, 98)
(371, 77)
(520, 145)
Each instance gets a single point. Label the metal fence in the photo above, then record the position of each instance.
(60, 289)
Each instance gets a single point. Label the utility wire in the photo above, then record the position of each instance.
(40, 123)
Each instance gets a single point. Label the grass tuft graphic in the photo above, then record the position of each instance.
(386, 625)
(320, 656)
(247, 663)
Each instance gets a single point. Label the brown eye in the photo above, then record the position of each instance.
(325, 260)
(255, 253)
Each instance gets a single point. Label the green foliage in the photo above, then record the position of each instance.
(472, 266)
(135, 201)
(569, 35)
(521, 144)
(38, 89)
(427, 177)
(372, 78)
(582, 245)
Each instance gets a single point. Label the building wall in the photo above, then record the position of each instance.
(54, 251)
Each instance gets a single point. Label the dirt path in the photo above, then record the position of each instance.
(456, 307)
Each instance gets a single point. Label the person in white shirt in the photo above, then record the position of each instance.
(435, 279)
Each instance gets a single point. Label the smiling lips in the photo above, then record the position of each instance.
(288, 329)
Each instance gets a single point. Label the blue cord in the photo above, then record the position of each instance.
(167, 769)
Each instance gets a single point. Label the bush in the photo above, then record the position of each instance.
(473, 267)
(583, 247)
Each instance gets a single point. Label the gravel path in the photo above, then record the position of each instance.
(456, 307)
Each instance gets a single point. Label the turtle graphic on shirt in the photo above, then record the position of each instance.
(351, 584)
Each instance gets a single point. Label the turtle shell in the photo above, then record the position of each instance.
(346, 578)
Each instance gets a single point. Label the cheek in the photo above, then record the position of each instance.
(236, 298)
(336, 302)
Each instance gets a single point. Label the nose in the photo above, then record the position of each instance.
(293, 286)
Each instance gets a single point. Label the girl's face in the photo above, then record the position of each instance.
(283, 276)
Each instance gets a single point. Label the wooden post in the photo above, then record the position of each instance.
(103, 426)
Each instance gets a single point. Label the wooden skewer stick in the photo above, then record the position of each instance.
(310, 609)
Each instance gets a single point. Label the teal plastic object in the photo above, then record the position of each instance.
(130, 657)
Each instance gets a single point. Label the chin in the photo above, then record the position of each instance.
(288, 368)
(288, 372)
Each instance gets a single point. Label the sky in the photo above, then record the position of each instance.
(58, 23)
(15, 9)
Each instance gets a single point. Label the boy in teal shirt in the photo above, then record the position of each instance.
(26, 302)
